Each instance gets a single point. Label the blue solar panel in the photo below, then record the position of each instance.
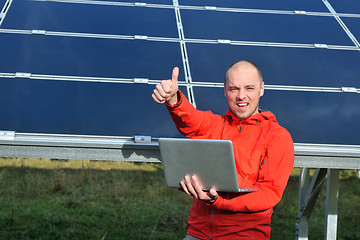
(311, 117)
(87, 56)
(353, 24)
(308, 5)
(288, 66)
(89, 18)
(297, 44)
(83, 108)
(346, 6)
(263, 27)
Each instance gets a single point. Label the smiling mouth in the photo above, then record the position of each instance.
(242, 104)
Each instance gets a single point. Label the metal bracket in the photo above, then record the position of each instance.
(7, 135)
(224, 41)
(142, 139)
(320, 45)
(22, 75)
(140, 37)
(140, 4)
(141, 80)
(349, 89)
(300, 12)
(38, 32)
(210, 8)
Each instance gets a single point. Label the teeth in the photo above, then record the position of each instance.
(242, 104)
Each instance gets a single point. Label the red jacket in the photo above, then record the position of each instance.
(264, 154)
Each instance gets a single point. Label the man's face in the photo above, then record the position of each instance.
(243, 91)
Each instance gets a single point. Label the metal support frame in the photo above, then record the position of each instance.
(308, 194)
(182, 41)
(341, 23)
(4, 10)
(56, 146)
(328, 159)
(32, 76)
(203, 8)
(332, 192)
(184, 54)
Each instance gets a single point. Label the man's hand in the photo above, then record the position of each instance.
(166, 91)
(192, 187)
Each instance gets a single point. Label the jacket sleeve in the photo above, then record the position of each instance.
(189, 121)
(273, 177)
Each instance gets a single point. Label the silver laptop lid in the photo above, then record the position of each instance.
(211, 160)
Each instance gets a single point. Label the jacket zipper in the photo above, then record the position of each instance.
(211, 220)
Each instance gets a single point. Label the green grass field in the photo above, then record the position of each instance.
(57, 199)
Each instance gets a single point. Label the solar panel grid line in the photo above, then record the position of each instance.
(241, 42)
(185, 58)
(248, 10)
(181, 83)
(207, 8)
(4, 10)
(136, 37)
(288, 87)
(184, 55)
(348, 15)
(271, 44)
(89, 35)
(183, 41)
(342, 24)
(77, 78)
(264, 11)
(111, 3)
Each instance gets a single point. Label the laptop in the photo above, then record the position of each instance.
(212, 161)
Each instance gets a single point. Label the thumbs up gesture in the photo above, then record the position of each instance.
(166, 91)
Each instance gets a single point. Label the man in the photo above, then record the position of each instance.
(264, 155)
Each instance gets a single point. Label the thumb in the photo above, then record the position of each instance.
(174, 77)
(213, 194)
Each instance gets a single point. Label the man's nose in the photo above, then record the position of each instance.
(241, 94)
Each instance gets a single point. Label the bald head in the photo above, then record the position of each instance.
(244, 65)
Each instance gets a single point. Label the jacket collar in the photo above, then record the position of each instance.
(252, 120)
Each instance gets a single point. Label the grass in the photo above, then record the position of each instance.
(73, 199)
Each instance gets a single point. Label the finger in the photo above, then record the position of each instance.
(163, 88)
(184, 188)
(203, 195)
(190, 187)
(197, 185)
(166, 86)
(158, 97)
(159, 93)
(213, 194)
(175, 75)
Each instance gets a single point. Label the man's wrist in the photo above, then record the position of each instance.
(174, 101)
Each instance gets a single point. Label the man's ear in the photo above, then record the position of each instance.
(262, 89)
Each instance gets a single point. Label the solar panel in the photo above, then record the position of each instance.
(91, 18)
(89, 67)
(261, 27)
(260, 4)
(280, 65)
